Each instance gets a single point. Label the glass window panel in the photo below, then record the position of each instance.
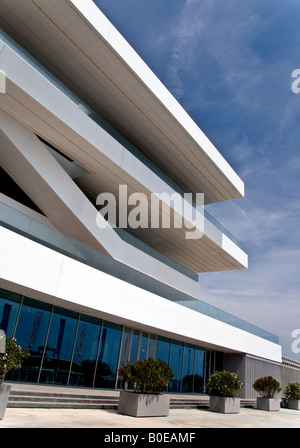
(32, 325)
(56, 364)
(85, 352)
(134, 345)
(188, 368)
(9, 308)
(176, 365)
(124, 355)
(199, 370)
(163, 349)
(31, 333)
(207, 365)
(144, 346)
(151, 346)
(108, 355)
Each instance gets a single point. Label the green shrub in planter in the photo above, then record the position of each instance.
(267, 386)
(223, 384)
(147, 377)
(12, 358)
(292, 390)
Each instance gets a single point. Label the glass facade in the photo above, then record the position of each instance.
(78, 350)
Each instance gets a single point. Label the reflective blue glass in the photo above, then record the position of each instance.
(85, 352)
(199, 370)
(163, 346)
(188, 368)
(209, 364)
(31, 334)
(9, 308)
(134, 345)
(163, 349)
(176, 366)
(151, 346)
(144, 347)
(56, 364)
(124, 355)
(107, 364)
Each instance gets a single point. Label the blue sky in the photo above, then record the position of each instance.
(229, 64)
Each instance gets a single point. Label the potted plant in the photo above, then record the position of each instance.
(222, 387)
(267, 387)
(10, 359)
(148, 378)
(292, 393)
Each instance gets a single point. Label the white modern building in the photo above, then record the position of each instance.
(81, 115)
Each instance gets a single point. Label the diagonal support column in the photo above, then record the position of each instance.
(27, 160)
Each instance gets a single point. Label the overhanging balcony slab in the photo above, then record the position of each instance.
(78, 44)
(41, 107)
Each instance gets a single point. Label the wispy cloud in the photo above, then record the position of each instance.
(220, 49)
(206, 29)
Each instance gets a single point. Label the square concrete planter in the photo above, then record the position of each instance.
(268, 404)
(225, 405)
(4, 395)
(293, 404)
(143, 405)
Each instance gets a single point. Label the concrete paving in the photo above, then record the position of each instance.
(178, 418)
(99, 418)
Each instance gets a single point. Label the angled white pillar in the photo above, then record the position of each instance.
(27, 160)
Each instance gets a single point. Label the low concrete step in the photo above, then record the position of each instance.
(183, 402)
(44, 397)
(201, 403)
(24, 399)
(15, 394)
(58, 405)
(70, 400)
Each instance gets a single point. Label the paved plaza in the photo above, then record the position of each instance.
(178, 418)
